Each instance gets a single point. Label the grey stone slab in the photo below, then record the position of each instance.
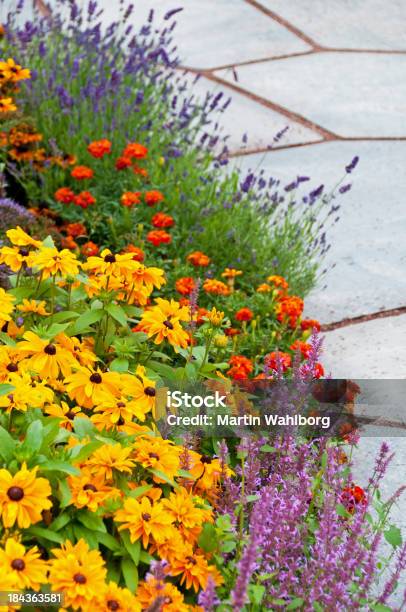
(348, 94)
(216, 32)
(368, 243)
(352, 24)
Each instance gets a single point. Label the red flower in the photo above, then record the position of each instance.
(289, 309)
(89, 249)
(244, 314)
(123, 162)
(129, 198)
(303, 347)
(241, 367)
(141, 171)
(197, 258)
(278, 357)
(162, 220)
(153, 197)
(64, 195)
(68, 243)
(318, 370)
(352, 496)
(232, 331)
(138, 254)
(99, 148)
(81, 173)
(84, 199)
(157, 237)
(135, 150)
(310, 324)
(185, 285)
(76, 229)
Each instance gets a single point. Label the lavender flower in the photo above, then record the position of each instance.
(351, 166)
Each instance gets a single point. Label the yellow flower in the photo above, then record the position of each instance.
(51, 262)
(7, 105)
(157, 454)
(79, 573)
(110, 264)
(149, 278)
(116, 598)
(19, 237)
(26, 568)
(194, 569)
(65, 413)
(110, 457)
(220, 340)
(162, 321)
(26, 393)
(141, 390)
(215, 317)
(81, 351)
(90, 490)
(13, 72)
(35, 306)
(23, 497)
(44, 357)
(231, 273)
(89, 387)
(189, 519)
(206, 470)
(8, 362)
(145, 520)
(151, 589)
(6, 306)
(264, 288)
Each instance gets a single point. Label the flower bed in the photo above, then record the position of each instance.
(112, 296)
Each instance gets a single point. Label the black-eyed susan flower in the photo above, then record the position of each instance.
(6, 306)
(7, 105)
(150, 589)
(34, 306)
(193, 569)
(145, 520)
(13, 72)
(89, 387)
(23, 497)
(142, 391)
(90, 490)
(26, 393)
(110, 457)
(157, 454)
(109, 263)
(19, 237)
(79, 573)
(120, 599)
(188, 513)
(65, 413)
(26, 568)
(44, 357)
(162, 322)
(51, 262)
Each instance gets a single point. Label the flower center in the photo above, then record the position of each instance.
(89, 487)
(50, 349)
(120, 421)
(80, 578)
(146, 516)
(12, 367)
(15, 493)
(168, 324)
(153, 456)
(120, 405)
(70, 415)
(24, 252)
(191, 560)
(112, 604)
(18, 564)
(110, 258)
(206, 459)
(150, 391)
(96, 378)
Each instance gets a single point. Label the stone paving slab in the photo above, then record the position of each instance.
(214, 33)
(352, 24)
(368, 242)
(349, 94)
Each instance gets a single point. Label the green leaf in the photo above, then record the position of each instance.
(87, 534)
(185, 474)
(380, 608)
(5, 389)
(342, 511)
(139, 491)
(165, 478)
(119, 364)
(81, 452)
(130, 574)
(60, 521)
(146, 557)
(295, 603)
(6, 339)
(227, 546)
(64, 315)
(91, 521)
(108, 541)
(266, 448)
(257, 592)
(59, 466)
(117, 313)
(252, 498)
(65, 494)
(133, 548)
(207, 538)
(50, 432)
(47, 534)
(393, 536)
(7, 445)
(85, 320)
(33, 439)
(82, 427)
(324, 459)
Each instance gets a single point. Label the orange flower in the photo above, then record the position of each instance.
(135, 150)
(76, 229)
(216, 287)
(138, 254)
(264, 288)
(89, 249)
(318, 370)
(141, 171)
(352, 496)
(185, 285)
(157, 237)
(162, 220)
(289, 309)
(232, 331)
(277, 281)
(231, 273)
(278, 359)
(244, 314)
(81, 173)
(64, 195)
(99, 148)
(129, 198)
(303, 347)
(84, 199)
(309, 324)
(241, 367)
(68, 243)
(145, 520)
(123, 162)
(153, 197)
(197, 258)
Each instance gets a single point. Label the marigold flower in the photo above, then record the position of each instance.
(64, 195)
(135, 150)
(278, 360)
(158, 237)
(68, 242)
(11, 71)
(264, 288)
(123, 162)
(161, 220)
(153, 197)
(137, 253)
(197, 258)
(145, 520)
(89, 248)
(232, 331)
(34, 306)
(7, 105)
(51, 262)
(185, 285)
(99, 148)
(84, 199)
(288, 309)
(303, 347)
(318, 370)
(278, 281)
(25, 567)
(310, 324)
(215, 287)
(244, 314)
(76, 229)
(129, 198)
(88, 387)
(23, 497)
(353, 496)
(140, 171)
(82, 173)
(231, 273)
(79, 573)
(241, 367)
